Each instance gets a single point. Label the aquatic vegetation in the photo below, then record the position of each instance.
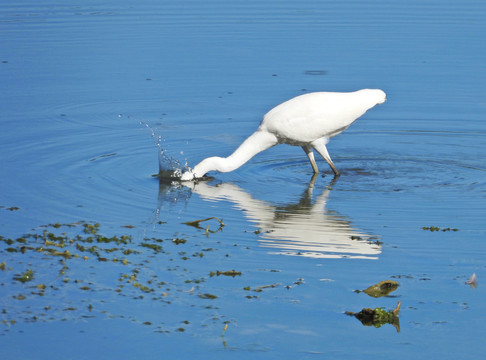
(383, 288)
(378, 317)
(156, 248)
(47, 245)
(436, 228)
(25, 276)
(91, 228)
(261, 288)
(178, 241)
(208, 296)
(97, 269)
(231, 273)
(79, 259)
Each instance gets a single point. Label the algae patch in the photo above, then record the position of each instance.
(436, 228)
(117, 276)
(378, 317)
(25, 276)
(98, 271)
(232, 273)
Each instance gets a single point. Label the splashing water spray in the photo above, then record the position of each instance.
(169, 167)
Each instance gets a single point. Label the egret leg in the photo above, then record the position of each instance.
(310, 155)
(320, 146)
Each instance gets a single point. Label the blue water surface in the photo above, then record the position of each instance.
(91, 92)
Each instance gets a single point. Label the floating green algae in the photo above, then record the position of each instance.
(80, 259)
(62, 259)
(25, 276)
(231, 273)
(155, 247)
(378, 317)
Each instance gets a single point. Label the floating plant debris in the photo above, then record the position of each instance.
(231, 273)
(25, 276)
(436, 228)
(261, 288)
(78, 259)
(383, 288)
(178, 241)
(378, 317)
(208, 296)
(154, 247)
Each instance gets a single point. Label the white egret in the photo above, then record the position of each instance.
(308, 120)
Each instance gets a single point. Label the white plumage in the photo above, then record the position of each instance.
(308, 120)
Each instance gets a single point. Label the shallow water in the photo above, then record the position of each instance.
(81, 86)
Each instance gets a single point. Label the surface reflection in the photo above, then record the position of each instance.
(305, 228)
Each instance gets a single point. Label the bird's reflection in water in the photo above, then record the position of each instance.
(305, 228)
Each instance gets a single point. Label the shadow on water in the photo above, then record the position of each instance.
(304, 228)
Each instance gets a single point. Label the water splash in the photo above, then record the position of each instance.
(170, 168)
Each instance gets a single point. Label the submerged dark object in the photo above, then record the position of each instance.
(378, 316)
